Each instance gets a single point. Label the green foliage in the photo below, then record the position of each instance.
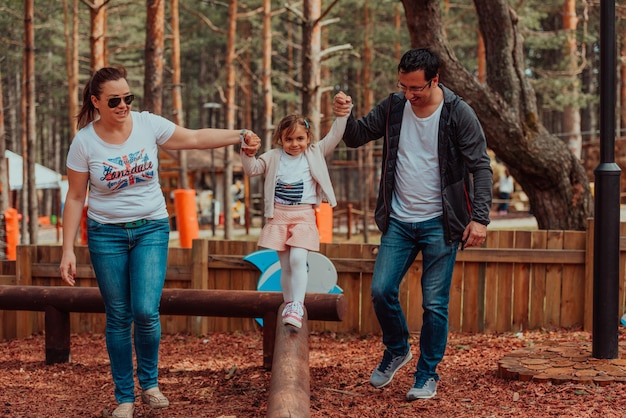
(203, 25)
(461, 26)
(546, 55)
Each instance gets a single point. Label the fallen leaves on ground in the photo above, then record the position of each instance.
(221, 375)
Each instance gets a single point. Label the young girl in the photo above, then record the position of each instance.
(296, 181)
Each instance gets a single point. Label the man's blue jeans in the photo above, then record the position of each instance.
(130, 266)
(398, 248)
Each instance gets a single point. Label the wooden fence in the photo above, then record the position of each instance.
(519, 280)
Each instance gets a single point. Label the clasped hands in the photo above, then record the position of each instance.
(251, 143)
(342, 106)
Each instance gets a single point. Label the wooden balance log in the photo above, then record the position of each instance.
(58, 301)
(290, 390)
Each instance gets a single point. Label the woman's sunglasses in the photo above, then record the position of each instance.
(115, 101)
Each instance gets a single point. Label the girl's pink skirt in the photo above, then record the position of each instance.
(291, 226)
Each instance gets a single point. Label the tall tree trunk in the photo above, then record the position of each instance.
(290, 63)
(245, 120)
(14, 109)
(266, 83)
(75, 69)
(266, 74)
(177, 98)
(482, 60)
(589, 114)
(71, 61)
(97, 40)
(30, 210)
(552, 177)
(23, 205)
(622, 97)
(153, 54)
(311, 47)
(571, 111)
(230, 115)
(246, 116)
(4, 176)
(366, 153)
(399, 27)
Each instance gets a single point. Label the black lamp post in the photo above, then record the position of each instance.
(607, 201)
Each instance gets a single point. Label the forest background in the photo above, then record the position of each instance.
(529, 68)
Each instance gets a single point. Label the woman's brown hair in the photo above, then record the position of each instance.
(93, 87)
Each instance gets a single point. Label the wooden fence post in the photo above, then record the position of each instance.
(199, 280)
(23, 319)
(57, 335)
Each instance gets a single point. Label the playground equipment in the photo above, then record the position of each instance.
(57, 302)
(290, 389)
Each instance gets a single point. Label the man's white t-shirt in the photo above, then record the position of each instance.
(123, 178)
(417, 194)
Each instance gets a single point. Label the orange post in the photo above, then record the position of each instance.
(186, 216)
(12, 229)
(324, 221)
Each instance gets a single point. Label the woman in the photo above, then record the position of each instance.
(115, 155)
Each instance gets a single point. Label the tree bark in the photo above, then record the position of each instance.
(482, 61)
(154, 53)
(366, 153)
(622, 71)
(230, 115)
(97, 44)
(311, 47)
(266, 79)
(71, 61)
(4, 177)
(31, 208)
(571, 111)
(247, 90)
(177, 99)
(552, 177)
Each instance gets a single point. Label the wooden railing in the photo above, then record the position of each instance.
(519, 280)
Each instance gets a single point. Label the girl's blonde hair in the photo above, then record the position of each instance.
(287, 125)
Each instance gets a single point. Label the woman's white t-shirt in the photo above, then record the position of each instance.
(123, 178)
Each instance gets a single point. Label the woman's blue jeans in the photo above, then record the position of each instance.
(398, 248)
(130, 267)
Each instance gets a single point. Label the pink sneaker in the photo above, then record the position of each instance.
(293, 313)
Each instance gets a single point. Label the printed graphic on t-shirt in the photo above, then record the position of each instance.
(126, 170)
(289, 193)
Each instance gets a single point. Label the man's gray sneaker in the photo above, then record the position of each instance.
(388, 366)
(425, 391)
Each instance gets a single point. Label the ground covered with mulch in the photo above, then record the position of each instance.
(221, 375)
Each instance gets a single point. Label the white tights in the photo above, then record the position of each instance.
(294, 275)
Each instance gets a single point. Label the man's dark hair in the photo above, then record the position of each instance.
(420, 59)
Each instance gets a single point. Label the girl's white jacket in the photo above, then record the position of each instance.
(315, 154)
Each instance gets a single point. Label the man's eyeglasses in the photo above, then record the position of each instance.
(412, 90)
(115, 101)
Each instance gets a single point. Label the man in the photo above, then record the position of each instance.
(435, 193)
